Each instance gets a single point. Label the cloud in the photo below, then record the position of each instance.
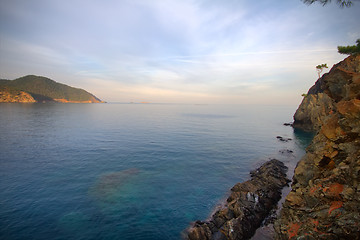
(207, 49)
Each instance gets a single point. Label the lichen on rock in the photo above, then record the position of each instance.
(324, 202)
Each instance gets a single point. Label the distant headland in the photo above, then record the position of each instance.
(38, 89)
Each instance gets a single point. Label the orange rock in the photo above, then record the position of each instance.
(335, 205)
(331, 129)
(294, 199)
(334, 189)
(293, 229)
(331, 164)
(62, 100)
(15, 97)
(332, 154)
(315, 223)
(349, 108)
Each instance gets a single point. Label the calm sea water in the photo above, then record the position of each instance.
(128, 171)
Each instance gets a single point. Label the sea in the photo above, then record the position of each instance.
(130, 171)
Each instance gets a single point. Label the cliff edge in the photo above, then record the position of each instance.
(324, 202)
(340, 84)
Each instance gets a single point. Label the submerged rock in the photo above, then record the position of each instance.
(247, 206)
(282, 139)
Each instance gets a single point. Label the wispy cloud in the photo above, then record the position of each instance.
(162, 50)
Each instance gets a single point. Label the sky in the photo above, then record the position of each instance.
(176, 51)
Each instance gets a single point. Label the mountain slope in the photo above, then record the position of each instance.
(43, 89)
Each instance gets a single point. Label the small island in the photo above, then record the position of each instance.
(37, 89)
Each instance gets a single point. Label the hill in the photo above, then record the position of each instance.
(43, 89)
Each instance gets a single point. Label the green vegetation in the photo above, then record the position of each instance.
(350, 50)
(304, 95)
(320, 68)
(45, 89)
(341, 3)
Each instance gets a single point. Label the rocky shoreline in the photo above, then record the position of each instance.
(247, 206)
(324, 201)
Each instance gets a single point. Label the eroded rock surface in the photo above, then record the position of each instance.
(324, 202)
(342, 83)
(247, 206)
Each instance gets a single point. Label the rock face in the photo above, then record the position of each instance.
(247, 206)
(324, 202)
(7, 95)
(312, 111)
(341, 83)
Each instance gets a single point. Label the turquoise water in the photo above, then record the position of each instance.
(128, 171)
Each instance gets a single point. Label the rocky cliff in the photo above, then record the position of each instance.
(324, 202)
(340, 84)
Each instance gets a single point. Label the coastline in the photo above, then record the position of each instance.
(247, 206)
(287, 155)
(323, 199)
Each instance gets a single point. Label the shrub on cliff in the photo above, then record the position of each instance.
(320, 68)
(350, 50)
